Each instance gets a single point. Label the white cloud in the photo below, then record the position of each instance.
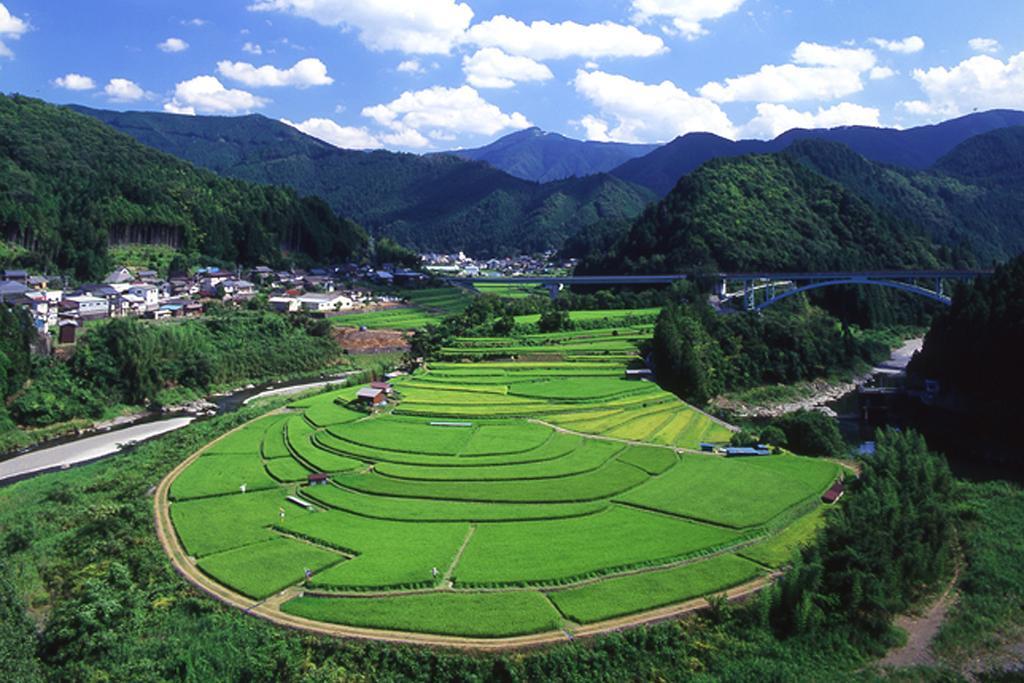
(252, 48)
(687, 16)
(173, 45)
(406, 138)
(906, 46)
(74, 81)
(438, 112)
(819, 72)
(988, 45)
(880, 73)
(916, 107)
(346, 137)
(980, 82)
(492, 68)
(10, 27)
(773, 120)
(306, 73)
(411, 26)
(544, 40)
(645, 112)
(815, 54)
(786, 83)
(194, 22)
(206, 94)
(410, 66)
(124, 90)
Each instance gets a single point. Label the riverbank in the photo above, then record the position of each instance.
(776, 401)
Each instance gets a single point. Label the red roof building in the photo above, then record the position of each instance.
(834, 493)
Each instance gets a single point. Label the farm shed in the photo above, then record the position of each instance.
(372, 396)
(834, 493)
(318, 479)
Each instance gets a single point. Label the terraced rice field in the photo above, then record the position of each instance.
(424, 307)
(493, 499)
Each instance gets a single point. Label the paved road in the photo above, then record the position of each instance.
(287, 391)
(900, 358)
(84, 450)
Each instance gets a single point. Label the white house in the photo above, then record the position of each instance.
(87, 306)
(283, 304)
(149, 294)
(322, 303)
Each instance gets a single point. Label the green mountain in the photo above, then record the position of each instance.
(70, 187)
(435, 202)
(764, 212)
(536, 155)
(969, 202)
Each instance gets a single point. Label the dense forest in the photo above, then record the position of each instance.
(766, 212)
(127, 362)
(973, 349)
(980, 337)
(699, 354)
(966, 203)
(71, 186)
(436, 202)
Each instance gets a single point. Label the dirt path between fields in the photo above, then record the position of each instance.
(921, 631)
(269, 608)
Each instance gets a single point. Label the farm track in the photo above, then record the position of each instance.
(270, 608)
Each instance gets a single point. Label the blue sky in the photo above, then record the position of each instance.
(423, 75)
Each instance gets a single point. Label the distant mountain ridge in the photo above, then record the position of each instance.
(536, 155)
(914, 148)
(436, 202)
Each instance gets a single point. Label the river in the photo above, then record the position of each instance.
(70, 451)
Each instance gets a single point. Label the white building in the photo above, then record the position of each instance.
(283, 304)
(323, 303)
(87, 306)
(149, 294)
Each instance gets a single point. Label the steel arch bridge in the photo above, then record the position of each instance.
(929, 284)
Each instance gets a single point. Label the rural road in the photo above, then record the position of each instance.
(900, 358)
(298, 388)
(84, 450)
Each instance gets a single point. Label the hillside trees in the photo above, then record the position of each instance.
(699, 354)
(71, 186)
(888, 542)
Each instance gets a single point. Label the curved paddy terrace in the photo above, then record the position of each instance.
(494, 503)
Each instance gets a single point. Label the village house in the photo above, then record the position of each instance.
(283, 304)
(148, 294)
(121, 276)
(323, 303)
(236, 289)
(86, 307)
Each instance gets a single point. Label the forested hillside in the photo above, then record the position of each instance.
(970, 202)
(70, 187)
(973, 348)
(763, 212)
(434, 202)
(534, 154)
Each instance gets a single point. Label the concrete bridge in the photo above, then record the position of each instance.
(759, 290)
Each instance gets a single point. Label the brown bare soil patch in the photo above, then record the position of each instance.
(358, 341)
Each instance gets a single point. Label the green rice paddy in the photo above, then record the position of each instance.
(535, 491)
